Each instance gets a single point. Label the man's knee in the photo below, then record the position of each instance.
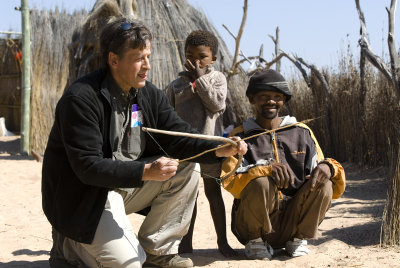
(125, 252)
(187, 175)
(325, 190)
(259, 186)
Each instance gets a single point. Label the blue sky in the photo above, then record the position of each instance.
(316, 30)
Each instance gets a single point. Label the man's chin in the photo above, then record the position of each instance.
(270, 115)
(140, 84)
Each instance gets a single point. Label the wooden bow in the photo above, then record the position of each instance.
(229, 142)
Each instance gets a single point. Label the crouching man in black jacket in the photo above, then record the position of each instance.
(100, 166)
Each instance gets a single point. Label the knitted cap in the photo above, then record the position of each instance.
(269, 80)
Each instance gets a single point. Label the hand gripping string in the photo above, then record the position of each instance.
(197, 136)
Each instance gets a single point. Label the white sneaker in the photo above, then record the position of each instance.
(256, 249)
(297, 247)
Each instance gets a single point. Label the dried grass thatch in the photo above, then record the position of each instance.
(390, 231)
(51, 35)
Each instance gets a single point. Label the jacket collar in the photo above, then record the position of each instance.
(250, 124)
(210, 68)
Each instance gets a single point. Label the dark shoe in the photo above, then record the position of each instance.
(173, 260)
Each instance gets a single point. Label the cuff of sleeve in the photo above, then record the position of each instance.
(203, 82)
(338, 179)
(332, 169)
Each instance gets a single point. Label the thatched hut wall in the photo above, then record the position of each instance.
(10, 83)
(51, 34)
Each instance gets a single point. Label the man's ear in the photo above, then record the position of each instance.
(112, 59)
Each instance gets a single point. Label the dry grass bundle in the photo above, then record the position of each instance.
(390, 231)
(382, 113)
(305, 104)
(346, 115)
(351, 130)
(51, 34)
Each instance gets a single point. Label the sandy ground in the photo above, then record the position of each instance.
(349, 236)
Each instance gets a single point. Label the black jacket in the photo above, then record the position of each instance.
(78, 170)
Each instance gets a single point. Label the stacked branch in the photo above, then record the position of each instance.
(392, 72)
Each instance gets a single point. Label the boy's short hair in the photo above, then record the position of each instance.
(120, 34)
(202, 38)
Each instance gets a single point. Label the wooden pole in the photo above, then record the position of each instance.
(26, 79)
(277, 49)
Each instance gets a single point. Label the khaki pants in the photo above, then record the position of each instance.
(260, 213)
(115, 243)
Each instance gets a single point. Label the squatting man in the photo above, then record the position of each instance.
(284, 185)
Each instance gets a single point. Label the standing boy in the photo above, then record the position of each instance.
(198, 96)
(284, 186)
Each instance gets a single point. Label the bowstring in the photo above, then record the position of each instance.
(217, 180)
(159, 146)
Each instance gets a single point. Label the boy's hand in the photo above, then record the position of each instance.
(200, 71)
(195, 70)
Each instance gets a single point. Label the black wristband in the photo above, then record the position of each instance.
(331, 168)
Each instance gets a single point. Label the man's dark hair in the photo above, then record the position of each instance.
(202, 38)
(120, 34)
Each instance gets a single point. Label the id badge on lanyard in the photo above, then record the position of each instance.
(137, 118)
